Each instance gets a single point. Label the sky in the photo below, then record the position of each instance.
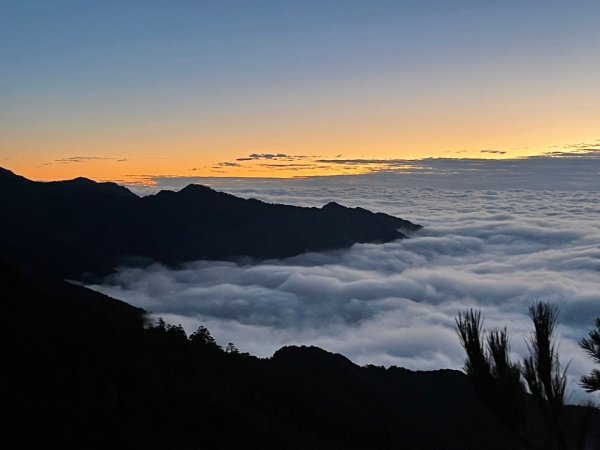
(135, 90)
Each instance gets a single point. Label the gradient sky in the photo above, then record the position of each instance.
(120, 89)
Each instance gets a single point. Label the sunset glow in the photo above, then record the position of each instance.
(123, 93)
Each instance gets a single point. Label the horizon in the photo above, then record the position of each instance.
(558, 170)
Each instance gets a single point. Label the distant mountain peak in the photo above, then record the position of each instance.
(194, 187)
(333, 205)
(310, 355)
(199, 189)
(7, 173)
(9, 176)
(83, 180)
(81, 226)
(105, 187)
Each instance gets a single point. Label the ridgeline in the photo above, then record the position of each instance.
(76, 227)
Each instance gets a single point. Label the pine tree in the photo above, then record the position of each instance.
(591, 345)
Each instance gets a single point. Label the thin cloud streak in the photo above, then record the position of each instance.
(84, 159)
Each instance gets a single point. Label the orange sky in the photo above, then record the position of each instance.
(123, 93)
(131, 158)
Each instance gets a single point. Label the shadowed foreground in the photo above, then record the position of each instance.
(84, 372)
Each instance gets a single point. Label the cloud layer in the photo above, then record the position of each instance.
(577, 169)
(494, 249)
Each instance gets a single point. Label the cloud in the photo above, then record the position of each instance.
(497, 152)
(290, 166)
(548, 172)
(240, 162)
(378, 163)
(395, 303)
(228, 164)
(584, 152)
(83, 159)
(270, 156)
(571, 168)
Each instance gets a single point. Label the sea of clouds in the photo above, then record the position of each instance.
(489, 246)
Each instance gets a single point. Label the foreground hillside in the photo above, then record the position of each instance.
(83, 372)
(74, 227)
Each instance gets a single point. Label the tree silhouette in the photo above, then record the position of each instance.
(496, 378)
(591, 345)
(231, 348)
(469, 327)
(202, 337)
(499, 380)
(542, 369)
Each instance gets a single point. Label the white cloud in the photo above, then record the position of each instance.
(395, 303)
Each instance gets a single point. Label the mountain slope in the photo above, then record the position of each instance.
(74, 227)
(83, 372)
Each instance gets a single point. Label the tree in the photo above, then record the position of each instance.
(202, 337)
(499, 380)
(542, 369)
(231, 348)
(591, 345)
(496, 378)
(469, 327)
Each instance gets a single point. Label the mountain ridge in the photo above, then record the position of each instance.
(76, 227)
(86, 372)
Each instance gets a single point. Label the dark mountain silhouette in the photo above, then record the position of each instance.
(69, 228)
(82, 371)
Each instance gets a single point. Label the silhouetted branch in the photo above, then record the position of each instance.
(591, 345)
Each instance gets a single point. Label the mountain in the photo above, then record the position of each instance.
(70, 228)
(82, 370)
